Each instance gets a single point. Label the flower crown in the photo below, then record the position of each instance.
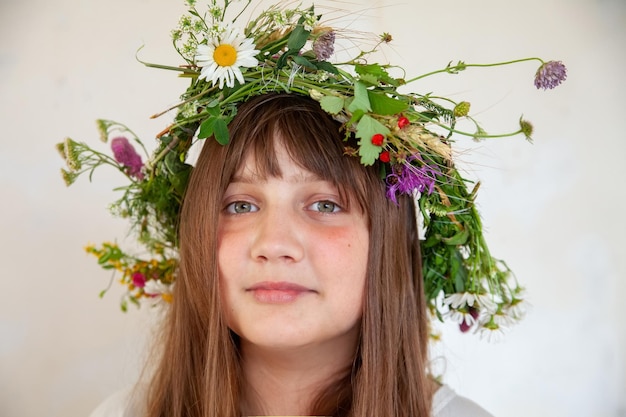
(411, 134)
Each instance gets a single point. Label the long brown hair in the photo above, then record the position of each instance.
(199, 372)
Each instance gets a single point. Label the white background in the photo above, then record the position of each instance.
(554, 210)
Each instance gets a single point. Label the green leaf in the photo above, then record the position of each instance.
(369, 79)
(384, 105)
(207, 127)
(366, 128)
(361, 100)
(377, 71)
(104, 258)
(172, 163)
(214, 126)
(220, 130)
(111, 254)
(296, 41)
(213, 108)
(298, 36)
(332, 104)
(458, 271)
(180, 180)
(383, 171)
(300, 60)
(356, 116)
(327, 66)
(431, 241)
(282, 61)
(459, 238)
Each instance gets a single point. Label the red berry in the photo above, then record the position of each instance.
(402, 122)
(378, 139)
(384, 156)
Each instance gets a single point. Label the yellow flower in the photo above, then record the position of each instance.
(221, 58)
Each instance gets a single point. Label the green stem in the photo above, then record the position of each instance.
(462, 66)
(161, 155)
(123, 128)
(474, 135)
(242, 10)
(190, 99)
(166, 67)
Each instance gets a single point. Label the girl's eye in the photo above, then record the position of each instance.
(240, 207)
(325, 207)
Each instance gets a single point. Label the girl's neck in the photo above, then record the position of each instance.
(284, 382)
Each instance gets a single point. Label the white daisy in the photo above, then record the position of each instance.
(518, 305)
(222, 57)
(461, 317)
(487, 304)
(517, 309)
(481, 302)
(491, 331)
(157, 292)
(460, 300)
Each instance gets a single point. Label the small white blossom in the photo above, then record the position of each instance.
(310, 20)
(215, 11)
(281, 20)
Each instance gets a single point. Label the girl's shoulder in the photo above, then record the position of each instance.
(447, 403)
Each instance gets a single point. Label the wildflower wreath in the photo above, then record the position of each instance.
(410, 133)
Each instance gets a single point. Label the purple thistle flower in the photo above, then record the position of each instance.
(324, 46)
(126, 155)
(550, 74)
(408, 178)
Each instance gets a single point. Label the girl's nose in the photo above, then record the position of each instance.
(277, 236)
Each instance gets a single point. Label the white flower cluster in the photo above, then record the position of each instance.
(480, 311)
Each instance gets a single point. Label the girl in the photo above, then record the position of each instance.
(300, 284)
(300, 288)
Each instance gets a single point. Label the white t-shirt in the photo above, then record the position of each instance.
(446, 403)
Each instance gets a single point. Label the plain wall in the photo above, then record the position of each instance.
(554, 210)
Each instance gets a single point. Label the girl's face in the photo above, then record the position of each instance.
(292, 259)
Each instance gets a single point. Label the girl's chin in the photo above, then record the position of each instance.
(283, 338)
(274, 341)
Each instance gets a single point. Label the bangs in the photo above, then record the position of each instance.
(311, 138)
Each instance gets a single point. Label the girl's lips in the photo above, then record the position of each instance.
(277, 292)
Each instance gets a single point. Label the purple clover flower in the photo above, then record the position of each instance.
(408, 178)
(465, 326)
(550, 75)
(324, 46)
(139, 280)
(126, 155)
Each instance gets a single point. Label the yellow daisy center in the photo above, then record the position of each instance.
(225, 55)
